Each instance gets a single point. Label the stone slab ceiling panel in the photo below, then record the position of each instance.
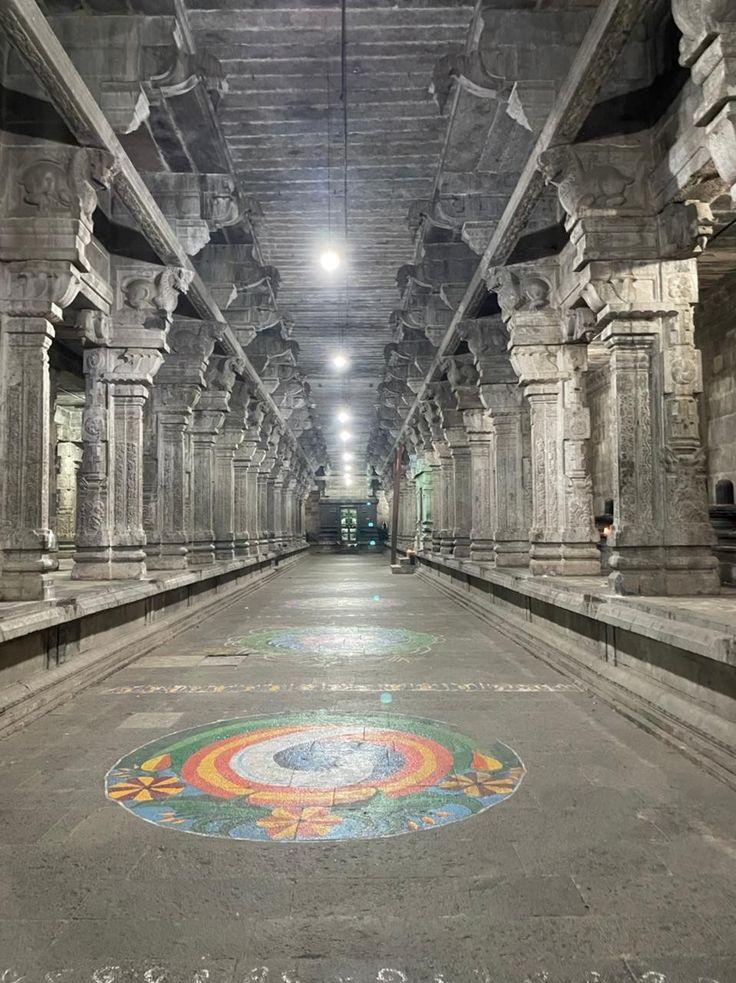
(285, 117)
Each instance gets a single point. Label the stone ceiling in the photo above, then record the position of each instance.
(284, 118)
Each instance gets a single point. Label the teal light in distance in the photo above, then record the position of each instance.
(373, 542)
(370, 525)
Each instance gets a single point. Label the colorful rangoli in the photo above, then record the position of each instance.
(313, 776)
(338, 640)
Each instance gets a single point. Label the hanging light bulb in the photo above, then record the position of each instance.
(340, 361)
(329, 260)
(343, 416)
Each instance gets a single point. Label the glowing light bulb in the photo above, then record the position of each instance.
(329, 260)
(347, 456)
(345, 435)
(340, 362)
(343, 416)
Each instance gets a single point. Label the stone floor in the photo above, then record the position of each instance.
(613, 859)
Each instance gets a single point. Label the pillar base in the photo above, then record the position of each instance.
(113, 563)
(16, 585)
(166, 557)
(564, 560)
(201, 554)
(512, 553)
(482, 551)
(225, 551)
(671, 572)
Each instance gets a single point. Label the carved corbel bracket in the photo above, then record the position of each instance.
(468, 71)
(145, 297)
(488, 340)
(48, 199)
(639, 291)
(38, 290)
(462, 376)
(529, 288)
(700, 21)
(131, 366)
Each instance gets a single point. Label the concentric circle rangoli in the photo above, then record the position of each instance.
(342, 641)
(313, 777)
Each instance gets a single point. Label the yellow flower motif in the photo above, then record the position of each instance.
(146, 788)
(293, 824)
(481, 783)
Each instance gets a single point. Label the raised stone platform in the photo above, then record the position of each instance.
(669, 663)
(50, 650)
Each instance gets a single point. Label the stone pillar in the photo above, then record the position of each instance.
(241, 467)
(226, 449)
(28, 544)
(209, 416)
(662, 538)
(265, 490)
(49, 198)
(278, 509)
(224, 494)
(68, 421)
(110, 536)
(512, 495)
(509, 496)
(563, 534)
(121, 358)
(445, 539)
(481, 441)
(177, 389)
(632, 263)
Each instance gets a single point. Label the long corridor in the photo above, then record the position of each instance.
(344, 776)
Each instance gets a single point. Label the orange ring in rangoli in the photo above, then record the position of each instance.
(425, 762)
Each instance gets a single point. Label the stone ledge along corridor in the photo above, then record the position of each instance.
(345, 776)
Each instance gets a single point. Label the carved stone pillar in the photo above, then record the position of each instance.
(620, 264)
(110, 536)
(28, 543)
(482, 484)
(226, 449)
(209, 416)
(662, 538)
(265, 491)
(255, 501)
(177, 389)
(68, 421)
(120, 361)
(444, 540)
(224, 493)
(509, 497)
(278, 508)
(563, 536)
(49, 197)
(241, 467)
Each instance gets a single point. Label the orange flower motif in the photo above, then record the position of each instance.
(480, 783)
(291, 824)
(146, 788)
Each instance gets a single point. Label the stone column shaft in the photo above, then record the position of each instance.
(110, 535)
(27, 541)
(481, 445)
(511, 498)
